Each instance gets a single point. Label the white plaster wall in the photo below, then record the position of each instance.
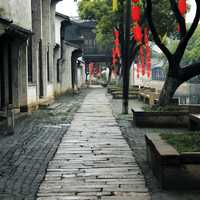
(5, 9)
(58, 21)
(184, 90)
(19, 11)
(80, 76)
(32, 94)
(50, 91)
(66, 71)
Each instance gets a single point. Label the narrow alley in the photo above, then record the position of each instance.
(93, 160)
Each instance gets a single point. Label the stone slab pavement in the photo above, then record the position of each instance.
(93, 161)
(24, 156)
(135, 138)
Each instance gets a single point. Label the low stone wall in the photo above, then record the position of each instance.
(173, 170)
(161, 119)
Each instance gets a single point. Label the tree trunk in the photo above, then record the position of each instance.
(168, 91)
(109, 75)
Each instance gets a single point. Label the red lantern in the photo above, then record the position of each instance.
(116, 42)
(116, 33)
(91, 69)
(117, 52)
(137, 33)
(135, 1)
(182, 6)
(135, 13)
(113, 56)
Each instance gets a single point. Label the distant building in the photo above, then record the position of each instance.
(187, 93)
(82, 33)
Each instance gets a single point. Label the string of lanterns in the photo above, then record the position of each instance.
(116, 50)
(91, 71)
(182, 7)
(138, 37)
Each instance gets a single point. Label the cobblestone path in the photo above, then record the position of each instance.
(93, 160)
(24, 156)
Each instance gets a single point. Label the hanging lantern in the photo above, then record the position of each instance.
(97, 71)
(135, 13)
(113, 56)
(116, 33)
(116, 42)
(135, 1)
(137, 33)
(117, 52)
(91, 69)
(142, 60)
(182, 6)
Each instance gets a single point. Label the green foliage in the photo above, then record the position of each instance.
(192, 53)
(187, 142)
(161, 10)
(101, 11)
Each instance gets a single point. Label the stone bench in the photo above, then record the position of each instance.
(173, 170)
(194, 121)
(148, 95)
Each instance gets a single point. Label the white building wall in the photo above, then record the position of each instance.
(19, 11)
(58, 21)
(186, 89)
(66, 69)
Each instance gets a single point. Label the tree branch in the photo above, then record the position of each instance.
(189, 71)
(183, 43)
(179, 17)
(154, 32)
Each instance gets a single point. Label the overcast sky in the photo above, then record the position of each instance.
(69, 7)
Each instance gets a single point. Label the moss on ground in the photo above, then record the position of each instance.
(187, 142)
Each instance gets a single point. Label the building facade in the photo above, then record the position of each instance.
(15, 37)
(35, 60)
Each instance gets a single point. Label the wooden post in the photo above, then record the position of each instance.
(126, 60)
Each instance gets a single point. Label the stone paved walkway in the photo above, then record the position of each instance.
(93, 160)
(24, 156)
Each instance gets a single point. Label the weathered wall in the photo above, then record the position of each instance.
(66, 71)
(58, 21)
(17, 10)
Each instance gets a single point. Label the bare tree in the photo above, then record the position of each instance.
(176, 74)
